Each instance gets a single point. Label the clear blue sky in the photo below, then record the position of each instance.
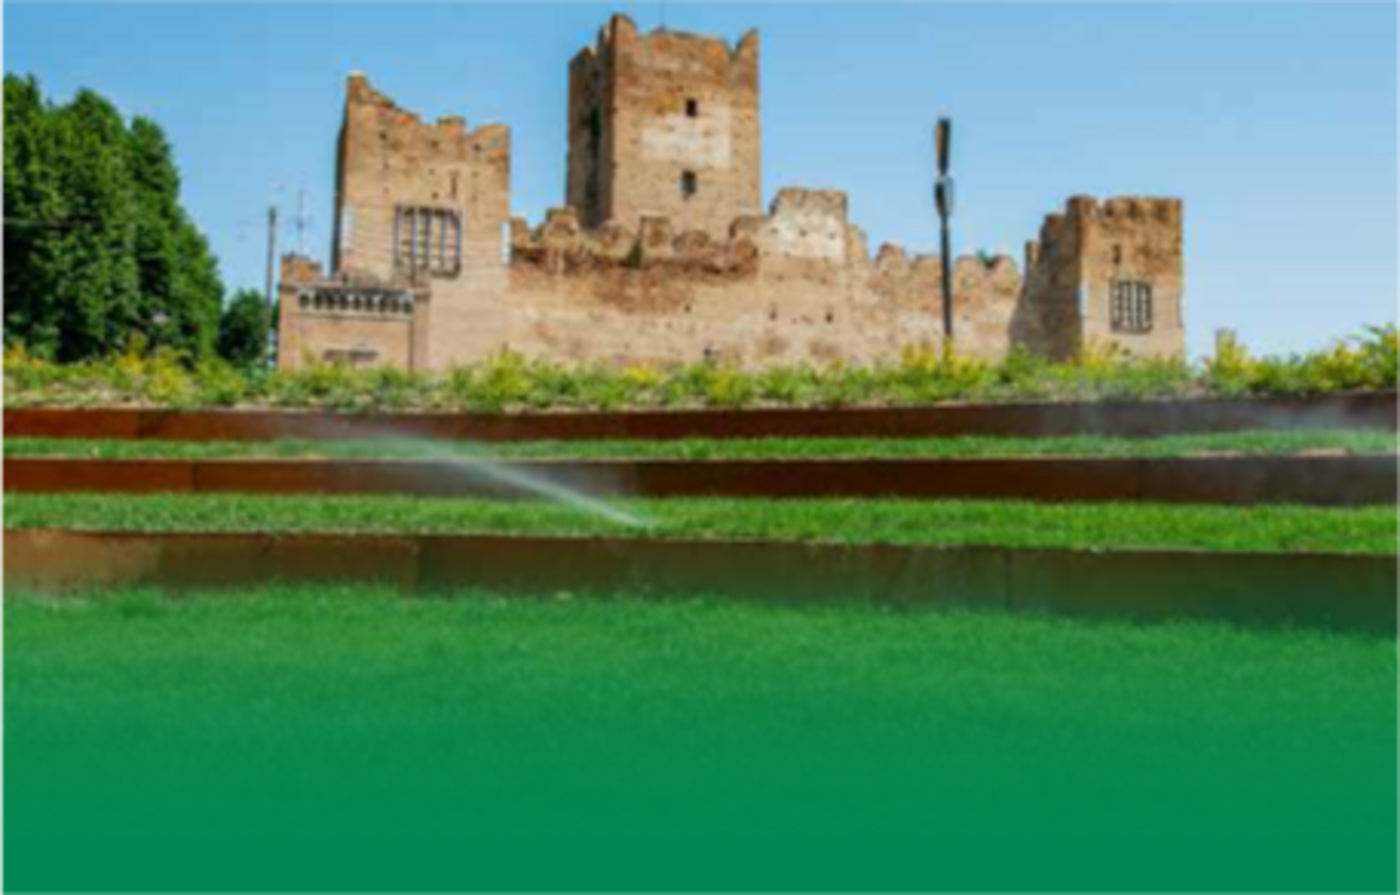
(1276, 123)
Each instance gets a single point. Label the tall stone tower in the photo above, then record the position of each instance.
(416, 200)
(423, 206)
(664, 124)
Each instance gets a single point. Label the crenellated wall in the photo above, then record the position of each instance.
(796, 285)
(633, 272)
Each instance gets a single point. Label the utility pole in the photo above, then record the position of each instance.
(943, 199)
(271, 264)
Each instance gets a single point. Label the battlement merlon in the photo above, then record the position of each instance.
(299, 270)
(364, 103)
(622, 32)
(1085, 217)
(802, 232)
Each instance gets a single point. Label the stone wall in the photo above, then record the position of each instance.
(632, 272)
(361, 324)
(797, 285)
(664, 124)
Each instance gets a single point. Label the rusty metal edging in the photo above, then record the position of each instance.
(1324, 481)
(1368, 410)
(1352, 593)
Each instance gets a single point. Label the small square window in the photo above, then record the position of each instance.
(692, 108)
(689, 184)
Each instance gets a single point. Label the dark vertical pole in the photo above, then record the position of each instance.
(271, 262)
(943, 199)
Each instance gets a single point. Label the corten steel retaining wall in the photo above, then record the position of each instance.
(1137, 419)
(1325, 481)
(1353, 593)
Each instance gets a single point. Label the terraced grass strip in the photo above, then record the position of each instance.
(1257, 443)
(1012, 524)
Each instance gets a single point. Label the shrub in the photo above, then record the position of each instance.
(218, 384)
(788, 386)
(509, 381)
(1380, 354)
(166, 380)
(1230, 371)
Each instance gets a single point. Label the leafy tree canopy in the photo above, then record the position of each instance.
(98, 250)
(243, 330)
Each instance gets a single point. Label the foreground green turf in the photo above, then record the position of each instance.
(347, 739)
(1246, 443)
(1087, 526)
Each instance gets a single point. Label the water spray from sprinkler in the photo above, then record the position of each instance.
(519, 480)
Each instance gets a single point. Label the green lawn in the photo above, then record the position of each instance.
(1247, 443)
(640, 677)
(1012, 524)
(333, 738)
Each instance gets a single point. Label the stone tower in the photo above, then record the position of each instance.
(664, 124)
(416, 200)
(424, 207)
(1107, 273)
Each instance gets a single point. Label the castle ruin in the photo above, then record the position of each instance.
(664, 254)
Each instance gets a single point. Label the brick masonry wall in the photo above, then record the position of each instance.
(797, 285)
(1081, 253)
(646, 111)
(633, 273)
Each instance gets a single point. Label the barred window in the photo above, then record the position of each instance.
(428, 240)
(1130, 308)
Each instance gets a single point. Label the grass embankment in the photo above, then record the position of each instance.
(1011, 524)
(1258, 443)
(355, 741)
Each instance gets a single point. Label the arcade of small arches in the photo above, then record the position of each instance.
(378, 302)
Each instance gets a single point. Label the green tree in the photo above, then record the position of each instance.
(98, 250)
(179, 277)
(243, 330)
(98, 294)
(33, 202)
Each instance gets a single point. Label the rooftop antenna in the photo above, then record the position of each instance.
(943, 199)
(302, 220)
